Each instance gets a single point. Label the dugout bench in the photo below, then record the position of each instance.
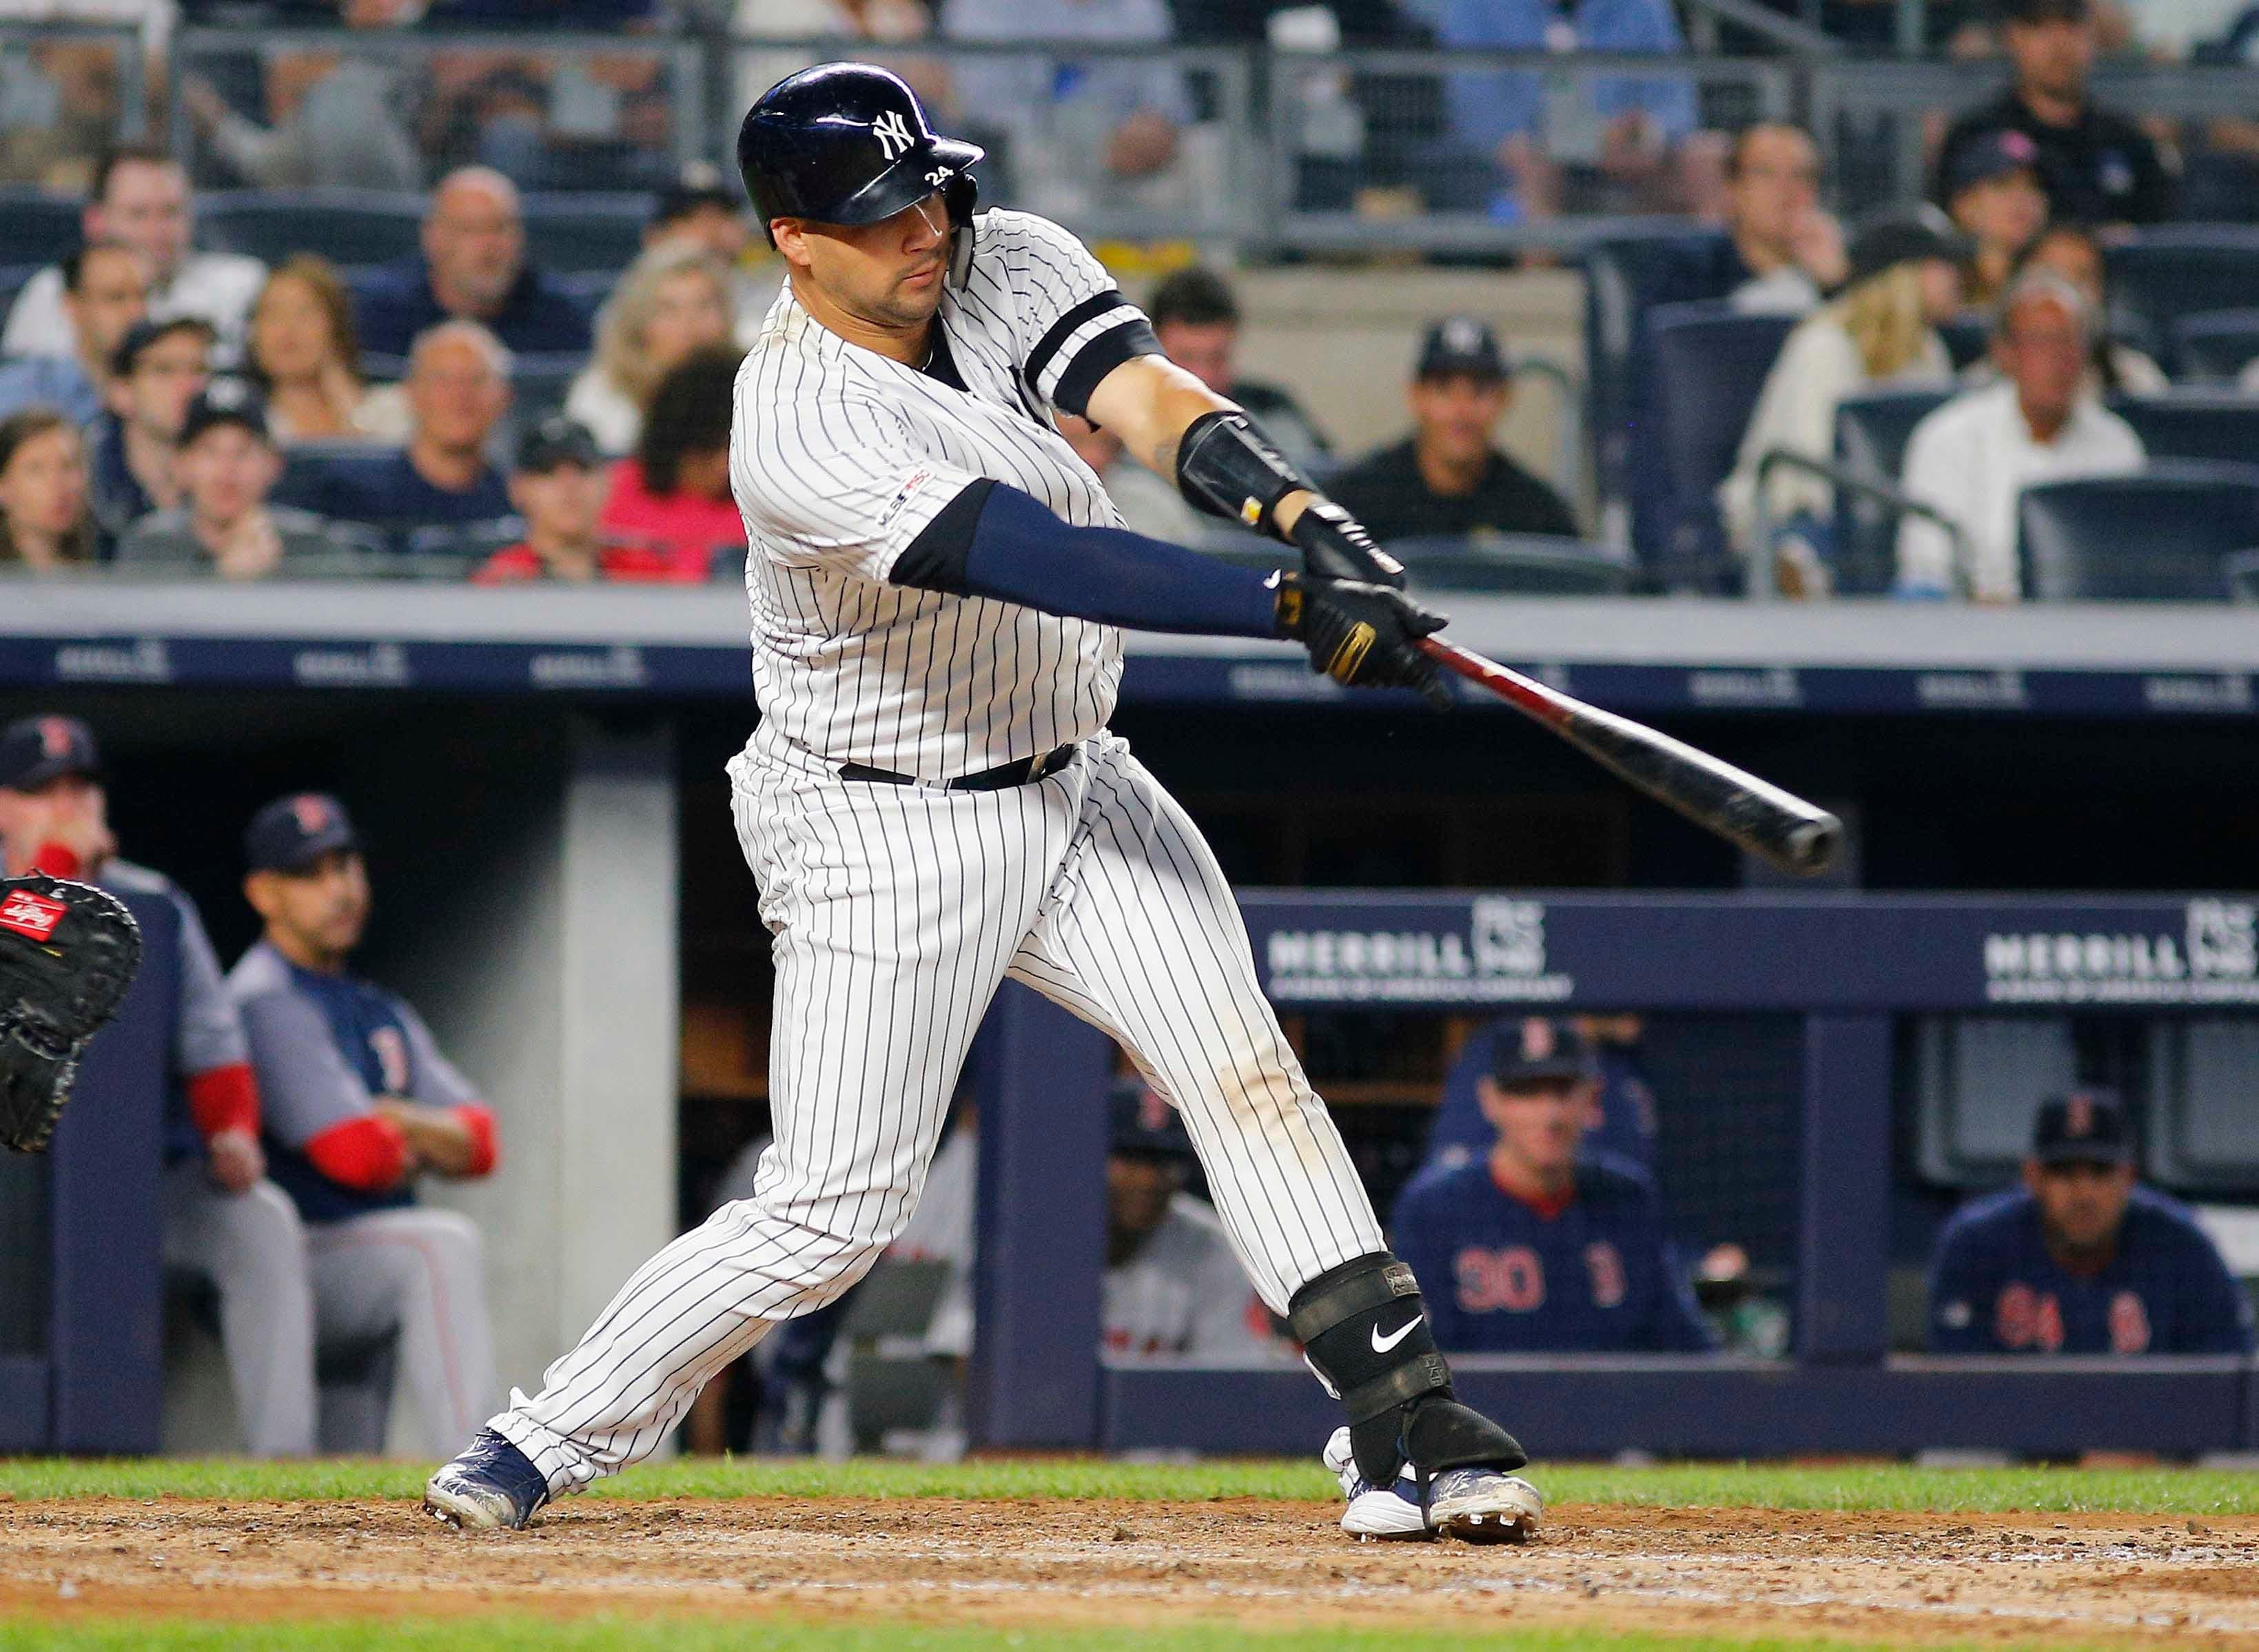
(1848, 966)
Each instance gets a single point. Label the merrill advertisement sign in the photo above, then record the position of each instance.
(2213, 959)
(1497, 958)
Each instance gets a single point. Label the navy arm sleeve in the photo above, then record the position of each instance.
(993, 540)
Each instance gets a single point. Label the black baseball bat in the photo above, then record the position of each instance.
(1776, 826)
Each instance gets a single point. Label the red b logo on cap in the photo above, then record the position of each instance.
(313, 815)
(55, 738)
(2079, 1119)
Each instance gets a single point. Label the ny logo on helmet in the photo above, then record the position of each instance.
(893, 133)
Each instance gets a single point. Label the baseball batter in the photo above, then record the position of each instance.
(932, 803)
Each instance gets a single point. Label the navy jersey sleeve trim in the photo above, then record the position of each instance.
(1097, 356)
(935, 560)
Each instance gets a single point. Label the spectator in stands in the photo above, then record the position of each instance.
(458, 390)
(473, 268)
(105, 291)
(227, 466)
(1783, 249)
(674, 299)
(140, 200)
(674, 495)
(1449, 478)
(1172, 1285)
(159, 368)
(558, 486)
(1055, 115)
(1148, 504)
(223, 1219)
(2080, 1260)
(304, 355)
(875, 23)
(1610, 144)
(360, 1104)
(1195, 315)
(1879, 333)
(1991, 187)
(2097, 166)
(2071, 251)
(47, 520)
(699, 209)
(1973, 458)
(1538, 1247)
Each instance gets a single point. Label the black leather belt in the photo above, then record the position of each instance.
(1017, 772)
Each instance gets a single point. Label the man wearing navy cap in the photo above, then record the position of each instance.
(223, 1219)
(360, 1103)
(1539, 1246)
(1172, 1285)
(2080, 1260)
(227, 466)
(2097, 166)
(1449, 478)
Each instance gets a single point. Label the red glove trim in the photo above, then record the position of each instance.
(57, 861)
(224, 1098)
(368, 1154)
(479, 1120)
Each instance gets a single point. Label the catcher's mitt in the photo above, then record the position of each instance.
(68, 953)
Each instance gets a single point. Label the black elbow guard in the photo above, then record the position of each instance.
(1225, 468)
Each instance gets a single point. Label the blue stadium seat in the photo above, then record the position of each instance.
(2202, 1130)
(2217, 344)
(538, 383)
(1966, 338)
(2194, 424)
(588, 287)
(312, 473)
(1872, 432)
(566, 232)
(1626, 276)
(1710, 366)
(42, 225)
(1531, 565)
(2179, 270)
(345, 226)
(1978, 1081)
(2164, 535)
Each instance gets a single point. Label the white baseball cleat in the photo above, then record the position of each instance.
(1478, 1506)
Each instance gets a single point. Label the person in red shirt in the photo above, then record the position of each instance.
(557, 486)
(674, 493)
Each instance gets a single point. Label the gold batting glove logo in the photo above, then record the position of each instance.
(1350, 655)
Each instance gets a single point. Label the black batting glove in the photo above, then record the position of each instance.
(1362, 636)
(1336, 546)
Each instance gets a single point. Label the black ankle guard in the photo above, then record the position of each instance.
(1365, 1331)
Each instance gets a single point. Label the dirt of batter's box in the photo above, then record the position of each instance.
(1732, 1572)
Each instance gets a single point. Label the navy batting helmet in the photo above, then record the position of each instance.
(847, 143)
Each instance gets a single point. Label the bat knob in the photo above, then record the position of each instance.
(1813, 845)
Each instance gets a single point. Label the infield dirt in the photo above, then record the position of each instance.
(2039, 1580)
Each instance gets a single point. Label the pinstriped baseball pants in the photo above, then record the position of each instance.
(897, 912)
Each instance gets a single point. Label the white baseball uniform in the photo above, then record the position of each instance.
(898, 909)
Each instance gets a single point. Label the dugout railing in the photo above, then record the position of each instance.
(1848, 967)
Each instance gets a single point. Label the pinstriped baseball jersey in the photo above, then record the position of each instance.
(839, 457)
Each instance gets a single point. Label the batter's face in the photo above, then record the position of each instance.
(1540, 1124)
(319, 912)
(2081, 1203)
(887, 275)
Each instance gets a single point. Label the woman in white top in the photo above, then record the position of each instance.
(1880, 332)
(674, 299)
(306, 361)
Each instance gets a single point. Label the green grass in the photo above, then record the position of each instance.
(501, 1632)
(1746, 1485)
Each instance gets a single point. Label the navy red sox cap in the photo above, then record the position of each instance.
(2082, 1127)
(291, 833)
(1538, 1049)
(849, 143)
(1140, 1124)
(36, 749)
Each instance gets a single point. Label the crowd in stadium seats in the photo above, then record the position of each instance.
(1745, 333)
